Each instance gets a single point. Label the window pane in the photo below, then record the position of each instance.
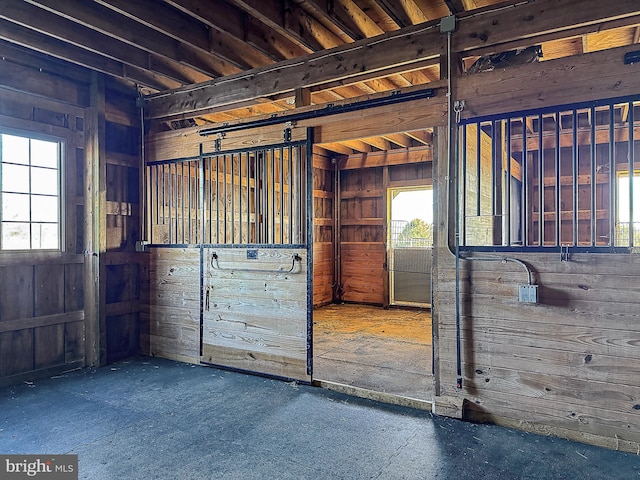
(44, 209)
(15, 236)
(15, 207)
(44, 181)
(44, 235)
(15, 178)
(15, 149)
(44, 154)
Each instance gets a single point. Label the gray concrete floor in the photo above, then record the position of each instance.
(157, 419)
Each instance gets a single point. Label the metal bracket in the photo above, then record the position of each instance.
(218, 142)
(287, 131)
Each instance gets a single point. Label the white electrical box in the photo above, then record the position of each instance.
(528, 293)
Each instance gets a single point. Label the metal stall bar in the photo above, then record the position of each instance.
(463, 181)
(612, 177)
(232, 221)
(478, 169)
(494, 152)
(558, 182)
(264, 207)
(240, 216)
(290, 186)
(224, 199)
(217, 157)
(507, 203)
(282, 221)
(170, 194)
(631, 154)
(524, 207)
(248, 175)
(592, 148)
(574, 167)
(272, 194)
(181, 200)
(541, 180)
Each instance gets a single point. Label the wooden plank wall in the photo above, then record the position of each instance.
(363, 235)
(255, 311)
(568, 365)
(363, 221)
(171, 299)
(42, 298)
(122, 269)
(323, 229)
(41, 294)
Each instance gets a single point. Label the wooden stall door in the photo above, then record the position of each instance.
(256, 274)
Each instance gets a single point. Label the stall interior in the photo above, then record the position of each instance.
(372, 264)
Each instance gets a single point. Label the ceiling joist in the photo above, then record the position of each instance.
(413, 44)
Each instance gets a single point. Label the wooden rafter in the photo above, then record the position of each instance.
(408, 45)
(64, 51)
(222, 17)
(354, 15)
(61, 29)
(110, 23)
(271, 15)
(186, 29)
(323, 11)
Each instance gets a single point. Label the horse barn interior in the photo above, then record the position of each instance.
(432, 203)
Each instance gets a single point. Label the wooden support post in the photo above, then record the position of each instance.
(387, 220)
(302, 97)
(95, 226)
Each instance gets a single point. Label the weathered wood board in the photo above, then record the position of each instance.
(255, 310)
(174, 304)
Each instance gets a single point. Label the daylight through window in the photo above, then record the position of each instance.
(30, 193)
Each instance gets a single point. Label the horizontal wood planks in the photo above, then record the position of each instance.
(255, 311)
(580, 78)
(564, 366)
(173, 316)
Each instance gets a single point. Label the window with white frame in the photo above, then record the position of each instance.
(30, 192)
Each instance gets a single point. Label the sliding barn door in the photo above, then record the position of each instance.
(256, 278)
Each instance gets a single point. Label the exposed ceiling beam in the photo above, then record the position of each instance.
(416, 43)
(41, 43)
(422, 136)
(357, 145)
(455, 6)
(46, 23)
(399, 139)
(378, 142)
(356, 17)
(323, 10)
(403, 12)
(398, 14)
(272, 15)
(106, 21)
(297, 20)
(413, 45)
(174, 23)
(226, 18)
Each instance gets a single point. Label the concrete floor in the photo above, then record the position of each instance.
(157, 419)
(369, 347)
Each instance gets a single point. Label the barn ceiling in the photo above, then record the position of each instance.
(166, 44)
